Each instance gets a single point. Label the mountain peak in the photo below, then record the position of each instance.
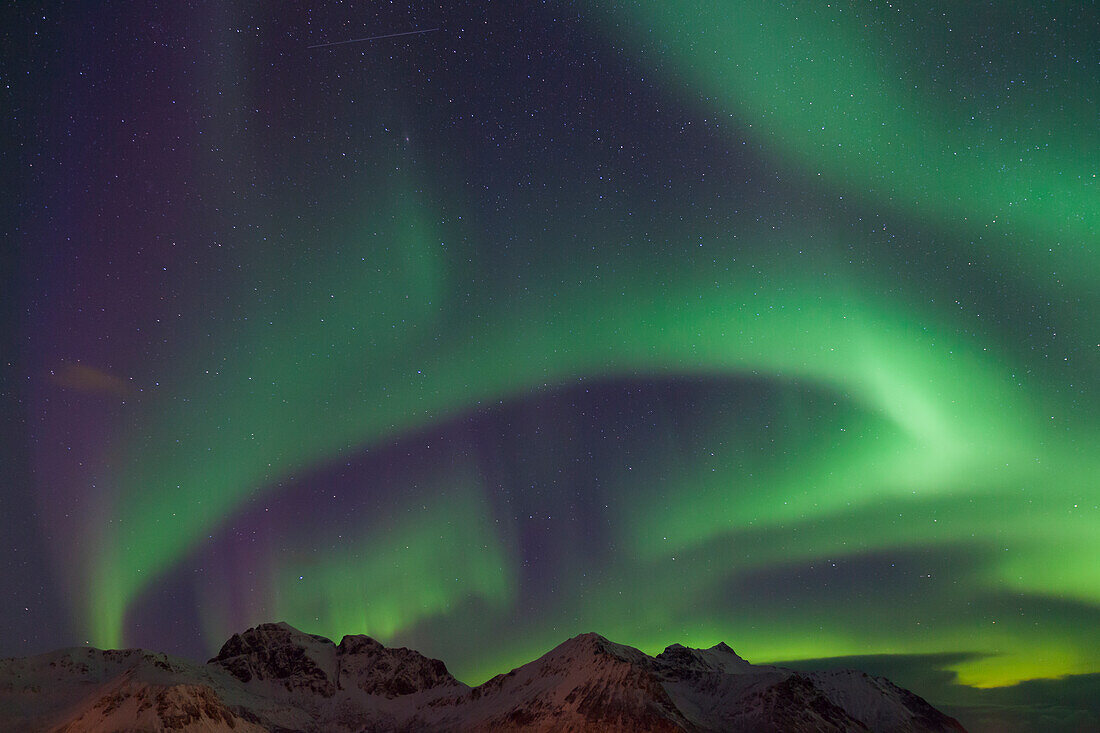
(283, 656)
(371, 667)
(592, 645)
(589, 638)
(358, 644)
(297, 663)
(718, 658)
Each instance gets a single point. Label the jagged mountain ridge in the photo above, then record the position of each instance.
(276, 678)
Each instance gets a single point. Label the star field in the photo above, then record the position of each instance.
(766, 323)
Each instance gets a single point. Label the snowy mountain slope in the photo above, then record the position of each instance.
(358, 683)
(586, 683)
(590, 683)
(85, 689)
(276, 678)
(878, 703)
(127, 704)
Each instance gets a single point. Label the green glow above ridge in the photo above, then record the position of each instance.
(419, 566)
(924, 387)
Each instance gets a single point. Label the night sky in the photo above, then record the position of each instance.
(771, 323)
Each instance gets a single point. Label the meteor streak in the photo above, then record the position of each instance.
(373, 38)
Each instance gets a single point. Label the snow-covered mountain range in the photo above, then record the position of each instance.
(276, 678)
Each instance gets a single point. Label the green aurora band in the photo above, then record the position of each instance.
(832, 86)
(896, 423)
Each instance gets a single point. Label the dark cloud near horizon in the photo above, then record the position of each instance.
(1067, 705)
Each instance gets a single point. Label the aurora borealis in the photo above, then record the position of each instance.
(680, 322)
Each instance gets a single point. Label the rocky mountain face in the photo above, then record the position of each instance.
(276, 678)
